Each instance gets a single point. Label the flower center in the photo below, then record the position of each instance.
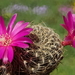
(5, 40)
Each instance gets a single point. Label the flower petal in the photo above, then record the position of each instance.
(18, 24)
(20, 44)
(2, 51)
(29, 29)
(70, 20)
(2, 25)
(10, 25)
(20, 34)
(68, 38)
(5, 57)
(64, 26)
(73, 15)
(10, 53)
(73, 43)
(23, 39)
(73, 34)
(15, 31)
(66, 22)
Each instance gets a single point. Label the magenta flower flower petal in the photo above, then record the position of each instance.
(70, 27)
(20, 34)
(66, 23)
(2, 25)
(28, 29)
(67, 38)
(73, 15)
(19, 44)
(23, 39)
(5, 57)
(18, 24)
(64, 26)
(14, 35)
(73, 43)
(10, 53)
(20, 28)
(12, 20)
(2, 50)
(70, 20)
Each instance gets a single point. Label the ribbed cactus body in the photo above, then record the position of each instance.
(47, 51)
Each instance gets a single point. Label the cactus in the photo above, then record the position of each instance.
(47, 51)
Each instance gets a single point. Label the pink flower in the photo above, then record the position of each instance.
(11, 36)
(69, 25)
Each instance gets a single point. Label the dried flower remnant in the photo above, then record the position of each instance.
(65, 9)
(40, 10)
(16, 7)
(11, 9)
(11, 36)
(69, 25)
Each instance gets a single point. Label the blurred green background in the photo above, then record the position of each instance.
(52, 18)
